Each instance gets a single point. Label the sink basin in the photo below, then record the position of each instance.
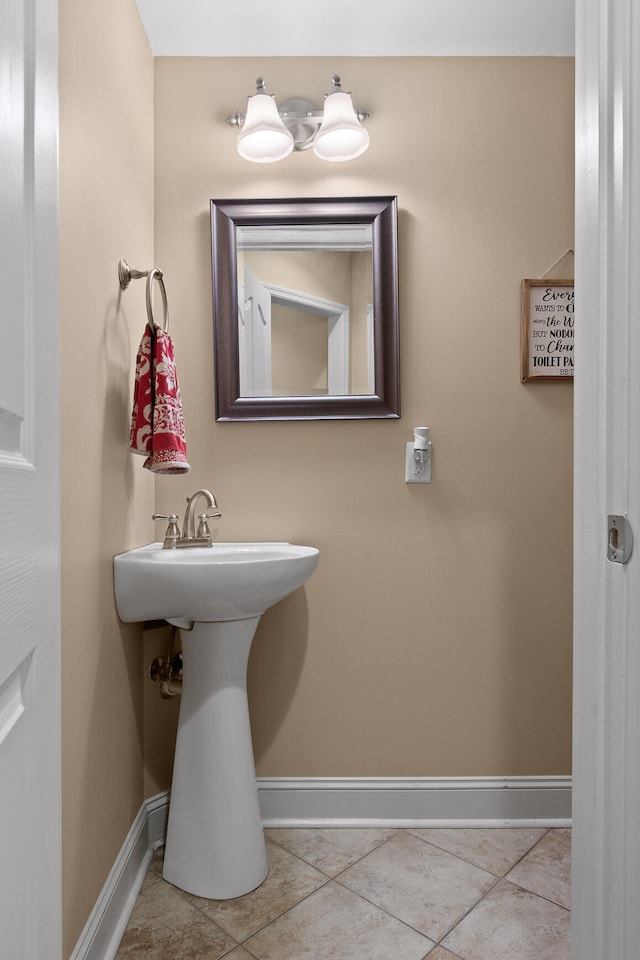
(228, 581)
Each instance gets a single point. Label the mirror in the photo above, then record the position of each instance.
(305, 301)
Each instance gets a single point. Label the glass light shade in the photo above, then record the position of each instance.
(341, 135)
(264, 137)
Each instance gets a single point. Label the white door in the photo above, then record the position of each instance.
(606, 809)
(29, 486)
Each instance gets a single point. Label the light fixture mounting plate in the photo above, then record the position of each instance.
(301, 118)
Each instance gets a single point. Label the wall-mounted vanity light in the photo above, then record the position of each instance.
(268, 133)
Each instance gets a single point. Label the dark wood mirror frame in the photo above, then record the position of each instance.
(381, 213)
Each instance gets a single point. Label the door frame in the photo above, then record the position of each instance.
(606, 762)
(46, 761)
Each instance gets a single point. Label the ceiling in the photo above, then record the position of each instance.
(358, 28)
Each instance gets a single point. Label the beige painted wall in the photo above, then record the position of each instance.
(106, 212)
(435, 637)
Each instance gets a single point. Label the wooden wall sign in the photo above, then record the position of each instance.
(546, 351)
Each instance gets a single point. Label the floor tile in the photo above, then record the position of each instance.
(496, 850)
(438, 954)
(300, 914)
(546, 870)
(420, 884)
(289, 880)
(151, 878)
(239, 954)
(512, 923)
(330, 850)
(157, 861)
(163, 924)
(335, 924)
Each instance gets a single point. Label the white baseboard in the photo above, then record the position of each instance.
(105, 927)
(408, 801)
(333, 802)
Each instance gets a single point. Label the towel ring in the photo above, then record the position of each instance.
(126, 274)
(155, 274)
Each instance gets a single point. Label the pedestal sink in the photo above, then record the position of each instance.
(215, 843)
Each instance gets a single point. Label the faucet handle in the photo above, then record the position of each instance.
(203, 527)
(173, 532)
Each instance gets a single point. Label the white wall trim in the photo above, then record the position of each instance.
(337, 315)
(105, 927)
(408, 801)
(332, 802)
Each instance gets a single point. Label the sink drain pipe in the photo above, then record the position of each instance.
(168, 671)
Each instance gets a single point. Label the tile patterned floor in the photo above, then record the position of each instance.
(374, 894)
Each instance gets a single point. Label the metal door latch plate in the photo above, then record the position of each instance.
(620, 538)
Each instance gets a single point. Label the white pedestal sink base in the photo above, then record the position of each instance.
(215, 844)
(215, 841)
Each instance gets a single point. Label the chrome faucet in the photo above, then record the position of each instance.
(189, 531)
(190, 537)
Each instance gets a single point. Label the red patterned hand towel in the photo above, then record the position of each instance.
(157, 425)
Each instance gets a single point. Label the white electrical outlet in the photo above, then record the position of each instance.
(417, 472)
